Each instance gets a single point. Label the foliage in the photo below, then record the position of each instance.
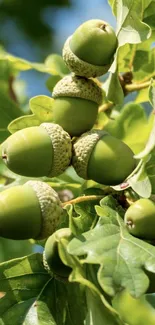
(105, 259)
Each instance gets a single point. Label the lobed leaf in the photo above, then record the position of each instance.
(96, 301)
(131, 126)
(8, 111)
(21, 281)
(53, 64)
(122, 257)
(41, 107)
(58, 304)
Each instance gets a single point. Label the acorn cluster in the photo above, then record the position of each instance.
(48, 149)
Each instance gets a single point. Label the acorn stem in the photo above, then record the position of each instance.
(4, 156)
(83, 199)
(103, 27)
(137, 86)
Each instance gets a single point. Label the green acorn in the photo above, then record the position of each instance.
(43, 150)
(90, 51)
(76, 104)
(103, 158)
(32, 210)
(51, 256)
(140, 219)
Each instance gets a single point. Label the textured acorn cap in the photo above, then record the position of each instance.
(62, 147)
(50, 206)
(51, 259)
(80, 67)
(82, 150)
(79, 87)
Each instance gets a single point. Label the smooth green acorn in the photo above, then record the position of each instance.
(51, 256)
(32, 210)
(103, 158)
(140, 219)
(43, 150)
(90, 51)
(76, 104)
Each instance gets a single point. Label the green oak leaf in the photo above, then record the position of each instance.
(21, 64)
(131, 126)
(58, 304)
(51, 82)
(150, 169)
(152, 94)
(82, 216)
(10, 249)
(97, 314)
(150, 145)
(140, 181)
(41, 107)
(9, 110)
(146, 71)
(86, 276)
(143, 182)
(56, 65)
(130, 28)
(142, 311)
(149, 15)
(21, 281)
(53, 64)
(142, 96)
(122, 257)
(124, 57)
(113, 89)
(138, 58)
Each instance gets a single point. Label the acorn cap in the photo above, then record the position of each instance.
(62, 148)
(80, 67)
(32, 210)
(82, 150)
(79, 87)
(51, 258)
(37, 151)
(50, 205)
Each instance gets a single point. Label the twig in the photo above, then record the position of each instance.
(83, 199)
(105, 107)
(137, 86)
